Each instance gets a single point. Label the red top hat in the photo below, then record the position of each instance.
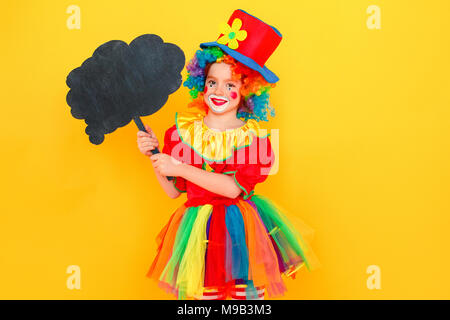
(250, 41)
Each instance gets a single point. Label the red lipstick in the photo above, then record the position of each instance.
(218, 102)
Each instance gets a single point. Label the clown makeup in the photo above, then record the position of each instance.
(221, 91)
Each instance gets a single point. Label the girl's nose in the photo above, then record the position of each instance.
(219, 91)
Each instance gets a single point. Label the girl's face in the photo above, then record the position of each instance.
(222, 94)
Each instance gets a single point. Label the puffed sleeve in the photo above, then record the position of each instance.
(171, 139)
(255, 168)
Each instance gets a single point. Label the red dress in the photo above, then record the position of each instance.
(215, 242)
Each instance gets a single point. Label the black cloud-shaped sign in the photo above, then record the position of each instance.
(121, 82)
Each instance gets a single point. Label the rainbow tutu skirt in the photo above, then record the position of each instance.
(215, 246)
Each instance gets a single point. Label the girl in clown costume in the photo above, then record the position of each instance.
(224, 241)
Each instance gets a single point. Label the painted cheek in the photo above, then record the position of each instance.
(233, 95)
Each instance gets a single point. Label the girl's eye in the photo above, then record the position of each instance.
(211, 83)
(230, 86)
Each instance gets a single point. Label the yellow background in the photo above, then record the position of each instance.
(364, 147)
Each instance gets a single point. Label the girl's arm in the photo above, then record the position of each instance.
(167, 185)
(219, 183)
(147, 141)
(215, 182)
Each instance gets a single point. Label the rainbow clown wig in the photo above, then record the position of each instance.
(254, 90)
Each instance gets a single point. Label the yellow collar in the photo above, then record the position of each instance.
(213, 145)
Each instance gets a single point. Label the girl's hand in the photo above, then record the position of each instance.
(147, 141)
(166, 165)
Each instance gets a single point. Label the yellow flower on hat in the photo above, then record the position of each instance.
(232, 34)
